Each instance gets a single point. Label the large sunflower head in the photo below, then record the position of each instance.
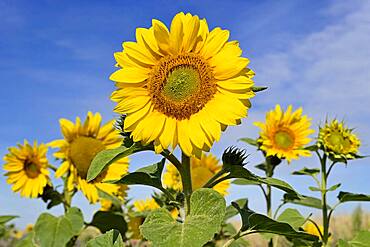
(78, 148)
(187, 81)
(338, 140)
(27, 169)
(201, 171)
(284, 134)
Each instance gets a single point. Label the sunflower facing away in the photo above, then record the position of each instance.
(181, 86)
(27, 169)
(339, 140)
(310, 228)
(201, 171)
(285, 134)
(78, 148)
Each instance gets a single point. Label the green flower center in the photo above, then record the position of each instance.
(32, 170)
(336, 140)
(283, 139)
(82, 152)
(181, 83)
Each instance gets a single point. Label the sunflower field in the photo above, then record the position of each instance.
(178, 89)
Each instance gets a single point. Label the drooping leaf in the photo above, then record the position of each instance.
(307, 171)
(109, 239)
(243, 173)
(6, 218)
(57, 231)
(149, 175)
(51, 197)
(250, 141)
(262, 224)
(362, 239)
(302, 200)
(293, 217)
(352, 197)
(106, 221)
(205, 218)
(107, 157)
(242, 181)
(231, 211)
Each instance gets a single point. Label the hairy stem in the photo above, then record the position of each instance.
(67, 196)
(325, 218)
(186, 180)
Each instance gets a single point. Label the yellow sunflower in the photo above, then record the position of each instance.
(78, 148)
(27, 169)
(201, 171)
(310, 228)
(285, 134)
(339, 140)
(188, 82)
(145, 205)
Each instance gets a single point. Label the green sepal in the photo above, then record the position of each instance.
(258, 89)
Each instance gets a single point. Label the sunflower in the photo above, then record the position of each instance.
(189, 82)
(338, 140)
(27, 169)
(201, 171)
(145, 205)
(78, 148)
(285, 134)
(310, 228)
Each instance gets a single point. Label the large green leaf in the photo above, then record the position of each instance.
(107, 157)
(231, 211)
(57, 231)
(6, 218)
(293, 217)
(362, 239)
(205, 218)
(106, 221)
(109, 239)
(27, 241)
(351, 197)
(255, 222)
(302, 200)
(149, 175)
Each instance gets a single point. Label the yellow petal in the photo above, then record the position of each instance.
(130, 75)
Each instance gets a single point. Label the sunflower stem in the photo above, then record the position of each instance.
(186, 180)
(269, 173)
(324, 206)
(67, 197)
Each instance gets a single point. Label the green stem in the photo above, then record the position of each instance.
(214, 178)
(269, 174)
(186, 180)
(325, 218)
(67, 196)
(317, 228)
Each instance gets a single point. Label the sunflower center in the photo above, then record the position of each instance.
(283, 139)
(181, 83)
(83, 151)
(336, 140)
(32, 170)
(200, 175)
(181, 86)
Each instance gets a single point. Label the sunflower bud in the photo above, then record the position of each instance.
(234, 156)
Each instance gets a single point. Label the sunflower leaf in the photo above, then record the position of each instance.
(252, 221)
(106, 221)
(205, 218)
(106, 157)
(148, 175)
(307, 171)
(351, 197)
(302, 200)
(6, 218)
(109, 239)
(250, 141)
(293, 217)
(362, 239)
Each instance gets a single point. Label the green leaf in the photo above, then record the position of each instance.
(362, 239)
(250, 141)
(312, 148)
(242, 181)
(258, 89)
(252, 221)
(106, 221)
(57, 231)
(312, 188)
(293, 217)
(107, 157)
(231, 211)
(302, 200)
(351, 197)
(307, 171)
(243, 173)
(149, 175)
(6, 218)
(109, 239)
(334, 187)
(51, 196)
(205, 218)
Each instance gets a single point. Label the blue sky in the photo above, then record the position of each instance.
(56, 57)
